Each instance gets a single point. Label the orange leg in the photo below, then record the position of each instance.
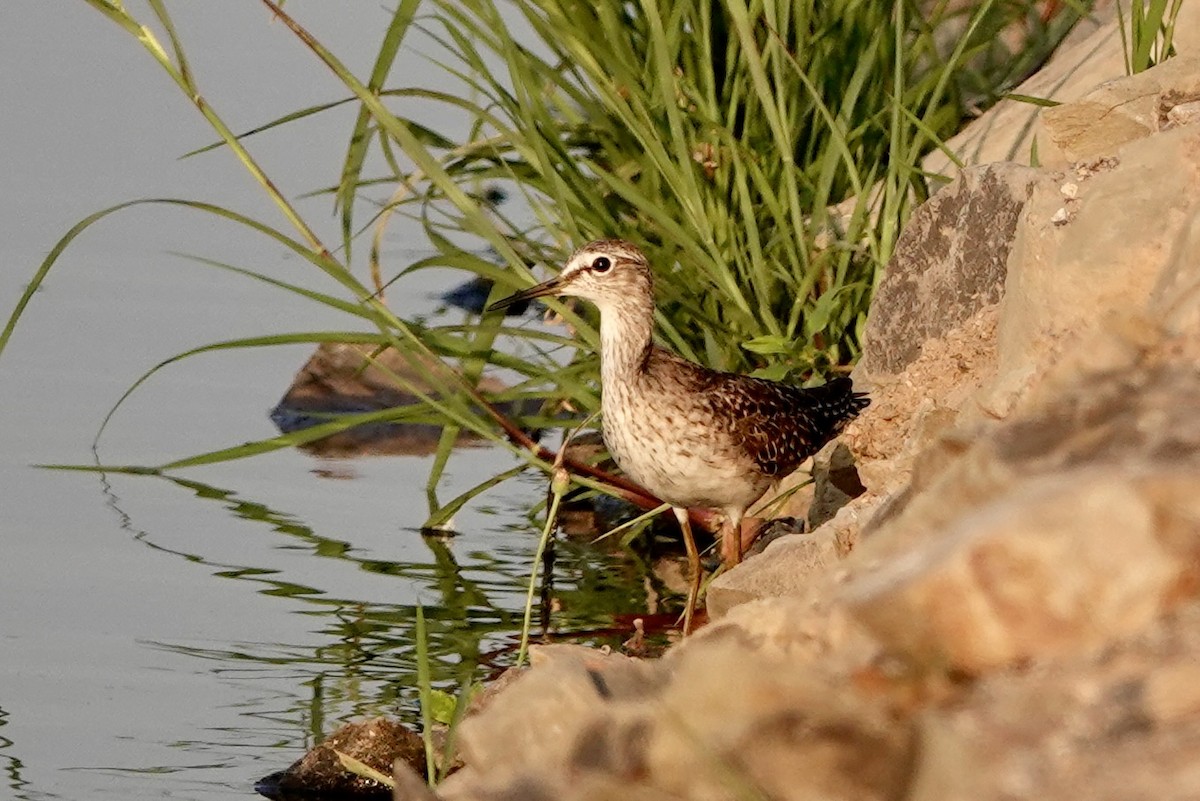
(693, 555)
(732, 544)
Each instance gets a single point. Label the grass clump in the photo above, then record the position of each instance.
(764, 155)
(717, 135)
(1148, 36)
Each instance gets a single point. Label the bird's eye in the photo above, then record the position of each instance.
(601, 264)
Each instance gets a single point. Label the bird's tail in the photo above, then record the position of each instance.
(835, 404)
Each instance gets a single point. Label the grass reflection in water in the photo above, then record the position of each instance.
(472, 603)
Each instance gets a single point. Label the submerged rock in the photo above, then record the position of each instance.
(320, 774)
(344, 378)
(471, 296)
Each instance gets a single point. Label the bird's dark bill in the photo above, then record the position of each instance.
(540, 291)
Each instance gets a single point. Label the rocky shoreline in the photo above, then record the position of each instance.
(1011, 609)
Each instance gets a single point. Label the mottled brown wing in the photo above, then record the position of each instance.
(781, 426)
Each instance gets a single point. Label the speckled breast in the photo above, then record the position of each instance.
(678, 453)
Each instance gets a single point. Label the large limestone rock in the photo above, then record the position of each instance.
(1118, 725)
(1175, 299)
(535, 720)
(1073, 522)
(1053, 565)
(716, 723)
(1093, 241)
(763, 724)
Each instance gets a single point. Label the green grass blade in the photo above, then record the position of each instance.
(290, 117)
(441, 516)
(425, 687)
(360, 139)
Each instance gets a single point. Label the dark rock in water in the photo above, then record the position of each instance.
(494, 196)
(472, 296)
(377, 743)
(343, 379)
(379, 438)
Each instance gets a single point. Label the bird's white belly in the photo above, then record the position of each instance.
(682, 463)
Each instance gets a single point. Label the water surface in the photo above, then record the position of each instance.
(184, 637)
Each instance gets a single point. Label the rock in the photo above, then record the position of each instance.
(1008, 130)
(836, 483)
(1181, 111)
(1121, 111)
(1054, 565)
(534, 721)
(811, 627)
(378, 743)
(911, 410)
(1093, 727)
(1072, 502)
(770, 727)
(1005, 131)
(763, 726)
(930, 341)
(479, 701)
(408, 784)
(1064, 280)
(347, 378)
(781, 569)
(788, 566)
(1172, 692)
(949, 263)
(1120, 398)
(1176, 297)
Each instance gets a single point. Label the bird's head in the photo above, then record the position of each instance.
(608, 272)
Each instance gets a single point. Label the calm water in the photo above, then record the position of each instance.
(183, 637)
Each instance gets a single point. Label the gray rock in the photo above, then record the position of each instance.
(949, 263)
